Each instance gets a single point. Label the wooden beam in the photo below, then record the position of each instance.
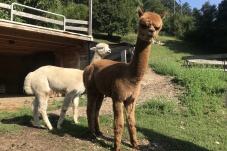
(17, 43)
(40, 34)
(76, 21)
(31, 41)
(76, 28)
(5, 6)
(44, 19)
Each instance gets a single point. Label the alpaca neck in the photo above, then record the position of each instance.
(138, 66)
(96, 57)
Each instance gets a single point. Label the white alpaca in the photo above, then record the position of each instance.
(101, 50)
(50, 78)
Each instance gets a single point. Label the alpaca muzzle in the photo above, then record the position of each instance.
(109, 51)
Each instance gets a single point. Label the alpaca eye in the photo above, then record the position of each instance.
(143, 25)
(157, 28)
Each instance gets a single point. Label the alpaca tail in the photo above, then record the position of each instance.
(28, 84)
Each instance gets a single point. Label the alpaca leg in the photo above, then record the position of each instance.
(118, 124)
(98, 107)
(43, 108)
(130, 118)
(91, 108)
(36, 112)
(64, 108)
(75, 108)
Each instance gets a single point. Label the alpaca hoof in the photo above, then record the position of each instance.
(117, 149)
(99, 133)
(59, 127)
(93, 137)
(76, 122)
(136, 147)
(41, 126)
(50, 128)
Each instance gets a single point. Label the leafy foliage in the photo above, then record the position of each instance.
(220, 39)
(178, 25)
(154, 6)
(205, 24)
(113, 16)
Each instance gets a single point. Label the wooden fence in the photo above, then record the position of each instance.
(213, 59)
(75, 25)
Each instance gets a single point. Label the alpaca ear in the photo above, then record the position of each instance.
(93, 48)
(163, 14)
(140, 12)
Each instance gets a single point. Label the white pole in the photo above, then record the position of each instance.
(90, 18)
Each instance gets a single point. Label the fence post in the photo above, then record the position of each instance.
(11, 11)
(64, 23)
(123, 56)
(90, 19)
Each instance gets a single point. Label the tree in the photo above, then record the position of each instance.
(179, 25)
(220, 40)
(138, 3)
(205, 25)
(169, 5)
(153, 6)
(186, 9)
(41, 4)
(113, 16)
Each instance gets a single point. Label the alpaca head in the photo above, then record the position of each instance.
(102, 49)
(149, 25)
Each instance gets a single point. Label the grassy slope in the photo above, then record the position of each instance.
(199, 121)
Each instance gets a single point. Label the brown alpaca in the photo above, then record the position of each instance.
(121, 81)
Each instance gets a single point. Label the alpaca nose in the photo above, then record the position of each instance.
(151, 30)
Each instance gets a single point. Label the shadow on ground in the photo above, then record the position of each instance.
(157, 141)
(78, 131)
(179, 46)
(160, 142)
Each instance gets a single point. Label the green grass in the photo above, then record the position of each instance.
(161, 122)
(56, 104)
(204, 86)
(11, 121)
(200, 120)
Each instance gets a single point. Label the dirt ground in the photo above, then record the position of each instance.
(31, 138)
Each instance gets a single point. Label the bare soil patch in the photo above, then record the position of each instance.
(31, 138)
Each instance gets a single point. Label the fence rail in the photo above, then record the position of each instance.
(213, 59)
(75, 25)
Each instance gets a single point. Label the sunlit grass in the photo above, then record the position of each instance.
(204, 86)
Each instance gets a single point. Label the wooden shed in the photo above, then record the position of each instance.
(25, 47)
